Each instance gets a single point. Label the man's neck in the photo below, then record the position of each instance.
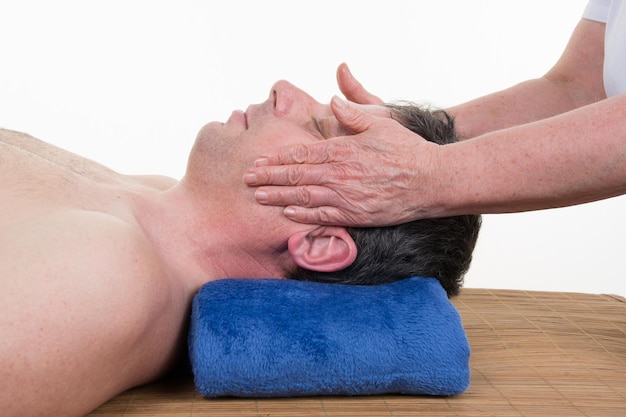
(196, 242)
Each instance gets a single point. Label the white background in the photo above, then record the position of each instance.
(129, 83)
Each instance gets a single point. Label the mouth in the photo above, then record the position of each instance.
(239, 117)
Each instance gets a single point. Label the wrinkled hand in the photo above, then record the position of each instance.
(352, 88)
(368, 179)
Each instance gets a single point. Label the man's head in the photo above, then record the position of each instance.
(221, 154)
(223, 151)
(439, 248)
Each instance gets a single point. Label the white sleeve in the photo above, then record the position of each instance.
(597, 10)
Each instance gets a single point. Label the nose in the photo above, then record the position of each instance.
(287, 98)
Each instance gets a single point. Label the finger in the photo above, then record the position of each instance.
(351, 116)
(302, 153)
(293, 174)
(352, 89)
(314, 153)
(330, 216)
(302, 196)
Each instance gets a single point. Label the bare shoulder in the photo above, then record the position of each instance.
(18, 147)
(22, 146)
(9, 134)
(83, 301)
(28, 143)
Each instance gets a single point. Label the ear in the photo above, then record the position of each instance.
(325, 249)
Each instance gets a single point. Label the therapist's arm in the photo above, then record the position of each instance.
(572, 158)
(574, 81)
(554, 161)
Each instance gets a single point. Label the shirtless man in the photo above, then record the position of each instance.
(98, 269)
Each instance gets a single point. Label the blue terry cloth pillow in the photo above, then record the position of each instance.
(285, 338)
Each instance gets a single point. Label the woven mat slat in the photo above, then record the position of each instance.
(533, 354)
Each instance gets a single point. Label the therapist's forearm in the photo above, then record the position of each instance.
(523, 103)
(574, 81)
(576, 157)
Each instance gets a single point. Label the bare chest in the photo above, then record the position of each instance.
(67, 241)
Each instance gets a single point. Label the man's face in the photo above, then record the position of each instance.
(223, 151)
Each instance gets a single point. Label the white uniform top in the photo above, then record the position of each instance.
(613, 13)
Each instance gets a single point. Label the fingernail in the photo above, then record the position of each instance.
(289, 211)
(339, 102)
(261, 196)
(250, 179)
(261, 162)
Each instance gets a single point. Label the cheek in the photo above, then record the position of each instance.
(271, 140)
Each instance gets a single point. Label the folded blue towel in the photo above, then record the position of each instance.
(285, 338)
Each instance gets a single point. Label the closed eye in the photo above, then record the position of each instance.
(315, 128)
(329, 127)
(318, 127)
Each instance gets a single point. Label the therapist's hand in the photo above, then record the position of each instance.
(372, 178)
(352, 88)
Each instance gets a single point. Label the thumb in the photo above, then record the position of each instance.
(352, 89)
(350, 116)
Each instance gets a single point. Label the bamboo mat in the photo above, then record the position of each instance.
(533, 354)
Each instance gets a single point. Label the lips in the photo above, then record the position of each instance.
(238, 117)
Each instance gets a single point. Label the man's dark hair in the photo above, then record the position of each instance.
(438, 248)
